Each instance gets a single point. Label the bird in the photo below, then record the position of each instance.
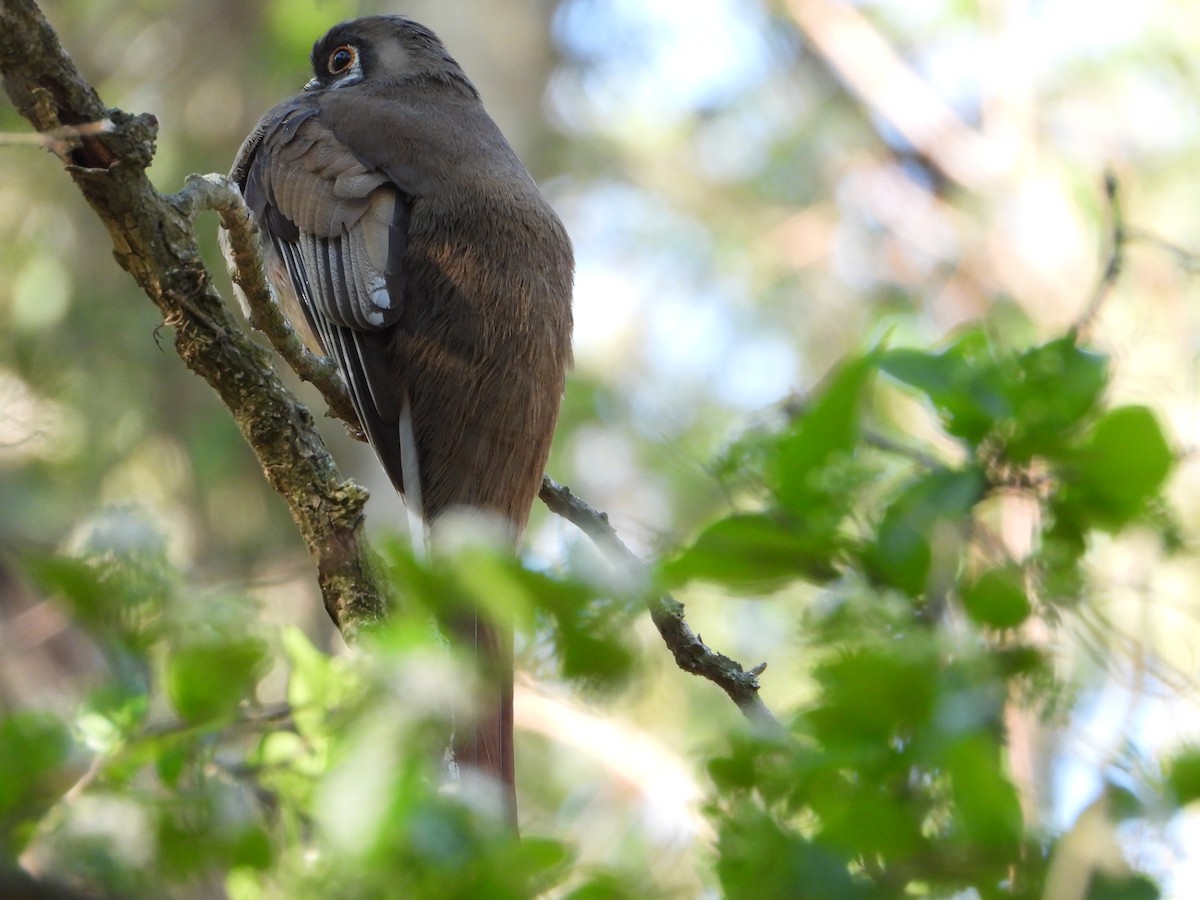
(405, 240)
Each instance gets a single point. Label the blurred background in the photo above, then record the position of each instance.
(754, 189)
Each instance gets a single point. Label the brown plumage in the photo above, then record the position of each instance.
(406, 240)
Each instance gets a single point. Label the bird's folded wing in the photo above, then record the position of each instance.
(338, 228)
(347, 221)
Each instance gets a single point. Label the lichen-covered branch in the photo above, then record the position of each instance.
(219, 194)
(690, 652)
(154, 240)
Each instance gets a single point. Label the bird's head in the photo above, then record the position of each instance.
(383, 49)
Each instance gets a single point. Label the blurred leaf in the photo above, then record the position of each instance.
(251, 848)
(169, 763)
(491, 580)
(986, 806)
(212, 824)
(902, 552)
(752, 552)
(119, 599)
(759, 859)
(312, 682)
(1060, 555)
(1019, 660)
(545, 861)
(1056, 386)
(604, 887)
(1131, 887)
(208, 680)
(736, 771)
(826, 430)
(33, 749)
(871, 696)
(76, 582)
(964, 383)
(997, 598)
(1183, 776)
(589, 631)
(862, 817)
(1119, 467)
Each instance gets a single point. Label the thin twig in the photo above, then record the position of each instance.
(278, 715)
(690, 652)
(59, 141)
(1117, 237)
(1120, 237)
(1188, 260)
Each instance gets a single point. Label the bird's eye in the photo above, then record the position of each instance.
(342, 59)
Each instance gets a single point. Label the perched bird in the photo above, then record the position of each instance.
(406, 241)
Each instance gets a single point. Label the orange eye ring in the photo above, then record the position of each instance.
(341, 59)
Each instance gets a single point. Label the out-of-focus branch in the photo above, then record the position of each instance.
(690, 652)
(154, 240)
(1120, 236)
(1115, 262)
(870, 66)
(59, 141)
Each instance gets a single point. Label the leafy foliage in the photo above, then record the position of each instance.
(892, 781)
(911, 625)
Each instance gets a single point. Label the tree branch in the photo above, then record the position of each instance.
(246, 268)
(690, 652)
(1117, 238)
(154, 240)
(871, 68)
(1120, 237)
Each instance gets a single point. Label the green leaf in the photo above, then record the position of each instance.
(34, 748)
(871, 696)
(964, 383)
(208, 680)
(170, 763)
(736, 771)
(986, 805)
(1055, 388)
(545, 862)
(1115, 887)
(759, 859)
(997, 598)
(75, 581)
(826, 431)
(1118, 469)
(902, 552)
(752, 552)
(589, 632)
(1183, 776)
(864, 819)
(312, 682)
(251, 848)
(605, 886)
(1061, 553)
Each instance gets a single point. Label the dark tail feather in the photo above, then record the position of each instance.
(484, 740)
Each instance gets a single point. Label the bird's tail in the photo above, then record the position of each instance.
(483, 734)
